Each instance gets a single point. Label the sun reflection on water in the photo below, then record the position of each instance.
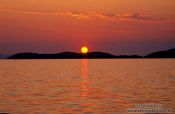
(85, 79)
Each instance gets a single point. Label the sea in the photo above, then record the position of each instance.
(86, 86)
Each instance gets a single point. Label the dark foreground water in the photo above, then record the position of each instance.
(106, 86)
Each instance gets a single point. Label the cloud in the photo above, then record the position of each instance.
(110, 16)
(95, 15)
(86, 15)
(137, 16)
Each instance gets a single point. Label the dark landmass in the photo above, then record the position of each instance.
(90, 55)
(68, 55)
(4, 56)
(162, 54)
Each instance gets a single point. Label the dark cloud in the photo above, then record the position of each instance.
(137, 16)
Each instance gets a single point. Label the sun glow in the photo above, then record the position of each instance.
(84, 50)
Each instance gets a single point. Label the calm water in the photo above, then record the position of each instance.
(108, 86)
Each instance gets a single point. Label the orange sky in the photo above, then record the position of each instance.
(116, 26)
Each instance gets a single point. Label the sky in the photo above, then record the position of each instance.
(114, 26)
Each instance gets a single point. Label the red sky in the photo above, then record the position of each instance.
(115, 26)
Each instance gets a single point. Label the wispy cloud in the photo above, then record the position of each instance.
(137, 16)
(113, 17)
(95, 15)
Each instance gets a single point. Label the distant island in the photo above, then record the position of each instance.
(90, 55)
(4, 56)
(162, 54)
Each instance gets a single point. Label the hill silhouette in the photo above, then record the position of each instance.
(162, 54)
(68, 55)
(4, 56)
(74, 55)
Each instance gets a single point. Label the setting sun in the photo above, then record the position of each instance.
(84, 49)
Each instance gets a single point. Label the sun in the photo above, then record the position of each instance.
(84, 50)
